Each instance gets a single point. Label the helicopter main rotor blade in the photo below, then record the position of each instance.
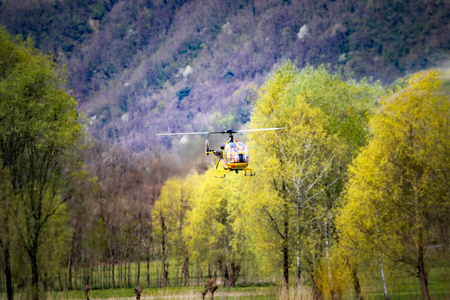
(230, 131)
(197, 132)
(185, 133)
(259, 129)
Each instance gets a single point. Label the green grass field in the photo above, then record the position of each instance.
(405, 288)
(261, 292)
(400, 286)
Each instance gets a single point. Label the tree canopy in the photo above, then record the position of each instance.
(40, 134)
(397, 196)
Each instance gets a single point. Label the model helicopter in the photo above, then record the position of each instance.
(234, 154)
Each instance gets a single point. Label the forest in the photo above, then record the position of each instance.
(355, 185)
(350, 199)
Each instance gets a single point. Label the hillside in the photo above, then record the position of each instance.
(142, 67)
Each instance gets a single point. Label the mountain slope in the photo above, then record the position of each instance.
(142, 67)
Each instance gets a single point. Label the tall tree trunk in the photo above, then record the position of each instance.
(138, 252)
(72, 254)
(186, 270)
(125, 274)
(148, 267)
(234, 272)
(138, 275)
(383, 279)
(158, 277)
(108, 274)
(91, 277)
(7, 259)
(129, 274)
(327, 257)
(76, 272)
(32, 249)
(9, 288)
(113, 281)
(163, 246)
(286, 248)
(125, 267)
(120, 272)
(103, 277)
(356, 285)
(61, 285)
(422, 273)
(98, 276)
(199, 272)
(380, 262)
(34, 274)
(179, 280)
(299, 270)
(69, 272)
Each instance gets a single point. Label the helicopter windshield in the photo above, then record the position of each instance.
(236, 152)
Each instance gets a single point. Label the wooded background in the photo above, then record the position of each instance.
(352, 193)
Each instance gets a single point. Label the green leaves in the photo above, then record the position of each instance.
(39, 139)
(397, 196)
(304, 166)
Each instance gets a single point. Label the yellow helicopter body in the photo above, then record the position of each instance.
(233, 154)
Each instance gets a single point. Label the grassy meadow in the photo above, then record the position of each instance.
(400, 286)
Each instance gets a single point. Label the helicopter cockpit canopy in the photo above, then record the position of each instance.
(235, 152)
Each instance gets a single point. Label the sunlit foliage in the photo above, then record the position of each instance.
(397, 199)
(304, 165)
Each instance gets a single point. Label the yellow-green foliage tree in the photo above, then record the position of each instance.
(211, 234)
(169, 220)
(304, 165)
(397, 199)
(297, 162)
(347, 105)
(269, 155)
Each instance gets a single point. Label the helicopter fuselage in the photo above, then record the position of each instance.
(234, 154)
(235, 158)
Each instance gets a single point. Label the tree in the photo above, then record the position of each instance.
(347, 105)
(211, 234)
(169, 219)
(119, 212)
(39, 135)
(5, 227)
(397, 197)
(164, 214)
(300, 158)
(324, 119)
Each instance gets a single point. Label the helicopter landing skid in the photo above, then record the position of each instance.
(249, 172)
(221, 173)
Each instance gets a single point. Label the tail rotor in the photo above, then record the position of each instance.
(210, 159)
